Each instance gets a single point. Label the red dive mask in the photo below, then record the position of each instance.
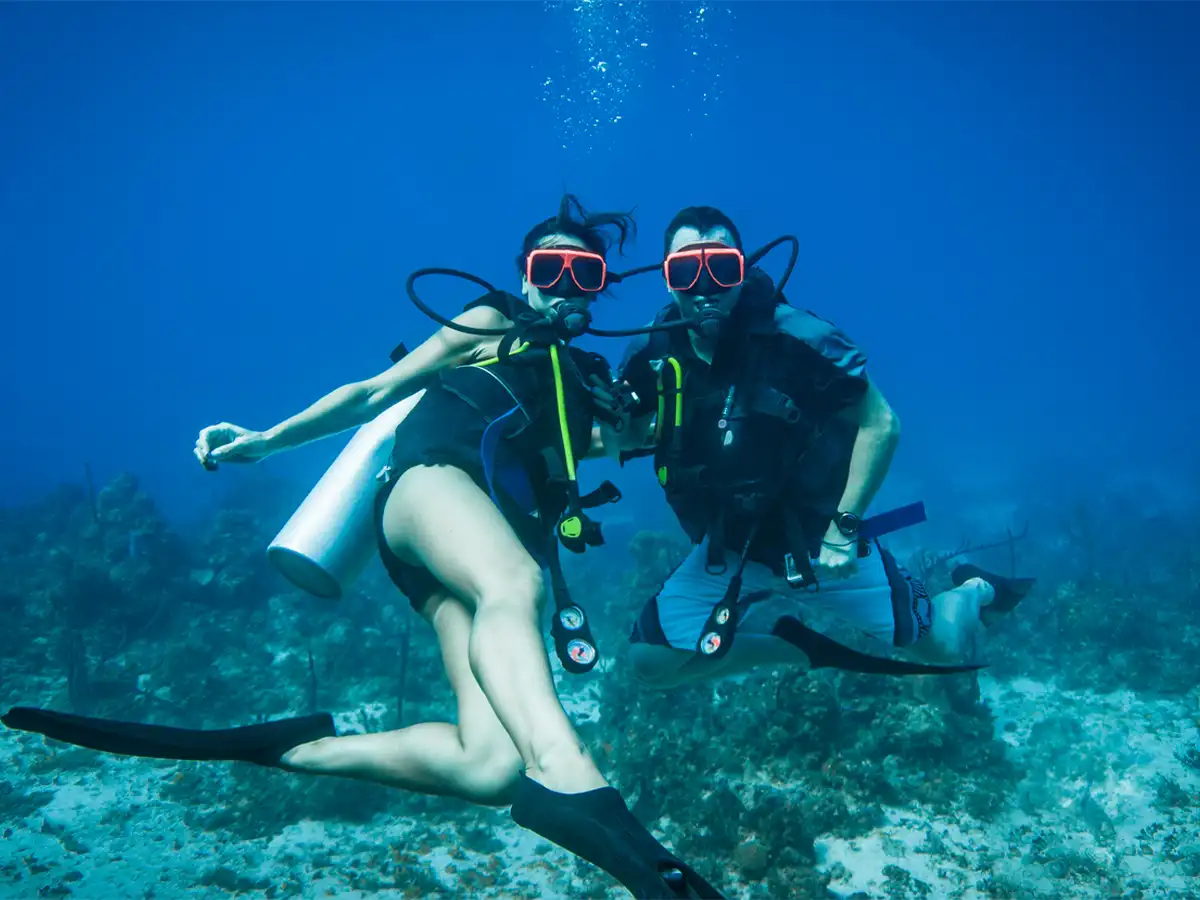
(548, 268)
(704, 269)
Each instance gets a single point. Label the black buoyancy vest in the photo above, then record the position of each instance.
(727, 437)
(541, 393)
(527, 376)
(526, 380)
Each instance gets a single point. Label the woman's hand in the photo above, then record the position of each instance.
(230, 443)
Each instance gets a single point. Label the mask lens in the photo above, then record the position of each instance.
(682, 271)
(725, 267)
(588, 272)
(545, 267)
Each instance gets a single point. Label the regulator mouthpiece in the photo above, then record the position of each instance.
(570, 318)
(709, 321)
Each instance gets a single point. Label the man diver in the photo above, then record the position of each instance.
(771, 441)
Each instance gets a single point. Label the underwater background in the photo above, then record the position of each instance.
(207, 213)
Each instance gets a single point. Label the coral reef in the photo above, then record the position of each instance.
(1070, 768)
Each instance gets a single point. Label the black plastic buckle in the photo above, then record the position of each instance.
(607, 492)
(798, 578)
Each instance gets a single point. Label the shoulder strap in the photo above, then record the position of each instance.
(756, 307)
(661, 343)
(502, 301)
(764, 398)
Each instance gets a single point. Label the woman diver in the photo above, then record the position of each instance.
(468, 547)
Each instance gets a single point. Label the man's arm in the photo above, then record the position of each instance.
(359, 402)
(611, 443)
(637, 435)
(874, 447)
(848, 393)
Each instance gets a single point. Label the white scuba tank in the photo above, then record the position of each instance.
(330, 537)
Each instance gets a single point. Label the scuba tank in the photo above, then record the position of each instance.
(330, 537)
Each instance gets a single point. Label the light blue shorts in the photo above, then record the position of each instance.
(881, 599)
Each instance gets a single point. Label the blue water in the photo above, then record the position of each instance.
(207, 213)
(207, 210)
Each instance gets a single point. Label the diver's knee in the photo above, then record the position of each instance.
(519, 587)
(490, 774)
(655, 666)
(977, 588)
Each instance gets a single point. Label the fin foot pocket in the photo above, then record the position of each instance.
(1009, 591)
(597, 826)
(262, 744)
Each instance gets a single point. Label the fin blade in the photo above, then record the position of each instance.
(262, 743)
(825, 653)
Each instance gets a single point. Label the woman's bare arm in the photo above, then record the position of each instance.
(353, 404)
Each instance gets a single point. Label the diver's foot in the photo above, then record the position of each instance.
(568, 770)
(597, 826)
(1009, 591)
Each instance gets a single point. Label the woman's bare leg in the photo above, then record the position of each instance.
(475, 759)
(439, 518)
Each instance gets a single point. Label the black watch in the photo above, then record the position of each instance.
(847, 523)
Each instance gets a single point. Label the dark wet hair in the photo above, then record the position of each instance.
(703, 219)
(574, 220)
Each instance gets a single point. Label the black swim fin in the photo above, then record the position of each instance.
(598, 826)
(1009, 591)
(262, 744)
(825, 653)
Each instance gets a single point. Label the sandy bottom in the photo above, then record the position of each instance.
(1083, 825)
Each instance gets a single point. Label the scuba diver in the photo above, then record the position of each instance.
(770, 442)
(477, 492)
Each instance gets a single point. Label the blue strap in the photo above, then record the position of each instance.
(509, 477)
(892, 520)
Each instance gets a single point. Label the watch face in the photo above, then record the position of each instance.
(848, 523)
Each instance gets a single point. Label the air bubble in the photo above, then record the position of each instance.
(600, 69)
(597, 66)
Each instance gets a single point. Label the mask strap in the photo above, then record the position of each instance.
(618, 277)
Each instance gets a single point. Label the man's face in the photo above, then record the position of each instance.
(714, 295)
